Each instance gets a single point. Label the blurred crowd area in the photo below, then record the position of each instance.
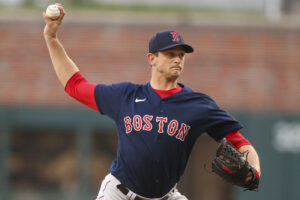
(45, 162)
(246, 57)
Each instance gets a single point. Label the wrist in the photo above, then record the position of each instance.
(49, 33)
(50, 36)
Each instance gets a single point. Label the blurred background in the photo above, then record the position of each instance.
(246, 57)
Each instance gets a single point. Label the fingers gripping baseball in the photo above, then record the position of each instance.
(53, 24)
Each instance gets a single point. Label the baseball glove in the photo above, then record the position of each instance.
(231, 165)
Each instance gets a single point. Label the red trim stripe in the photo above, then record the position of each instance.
(228, 170)
(104, 190)
(257, 175)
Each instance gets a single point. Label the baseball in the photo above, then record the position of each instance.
(52, 11)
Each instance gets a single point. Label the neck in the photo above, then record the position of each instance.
(163, 84)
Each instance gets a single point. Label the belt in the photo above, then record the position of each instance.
(125, 191)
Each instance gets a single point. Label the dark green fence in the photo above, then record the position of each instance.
(277, 139)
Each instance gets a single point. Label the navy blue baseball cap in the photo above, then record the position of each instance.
(166, 40)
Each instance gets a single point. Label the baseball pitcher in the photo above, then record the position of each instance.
(157, 122)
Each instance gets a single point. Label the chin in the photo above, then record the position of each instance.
(175, 75)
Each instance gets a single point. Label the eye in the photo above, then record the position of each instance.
(181, 55)
(171, 54)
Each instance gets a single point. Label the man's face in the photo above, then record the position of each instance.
(169, 63)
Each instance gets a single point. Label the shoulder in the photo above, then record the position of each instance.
(119, 89)
(116, 86)
(200, 97)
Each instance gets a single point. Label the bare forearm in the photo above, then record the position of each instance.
(252, 157)
(63, 65)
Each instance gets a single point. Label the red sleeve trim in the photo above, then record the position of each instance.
(82, 90)
(237, 139)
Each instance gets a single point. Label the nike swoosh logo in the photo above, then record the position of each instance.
(139, 100)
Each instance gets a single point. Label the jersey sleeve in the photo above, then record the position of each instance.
(237, 139)
(109, 98)
(219, 122)
(81, 90)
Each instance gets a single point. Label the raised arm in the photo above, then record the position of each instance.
(62, 63)
(66, 70)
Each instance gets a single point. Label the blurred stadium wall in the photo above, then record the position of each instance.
(52, 147)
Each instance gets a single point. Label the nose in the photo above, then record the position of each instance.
(178, 59)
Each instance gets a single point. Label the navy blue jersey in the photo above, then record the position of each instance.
(156, 135)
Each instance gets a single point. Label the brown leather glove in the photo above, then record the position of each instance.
(231, 165)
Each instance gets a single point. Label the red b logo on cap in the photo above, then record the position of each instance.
(175, 37)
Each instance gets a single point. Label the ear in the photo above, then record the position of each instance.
(151, 58)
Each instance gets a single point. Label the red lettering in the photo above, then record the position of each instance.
(172, 127)
(128, 126)
(137, 122)
(183, 131)
(161, 121)
(147, 126)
